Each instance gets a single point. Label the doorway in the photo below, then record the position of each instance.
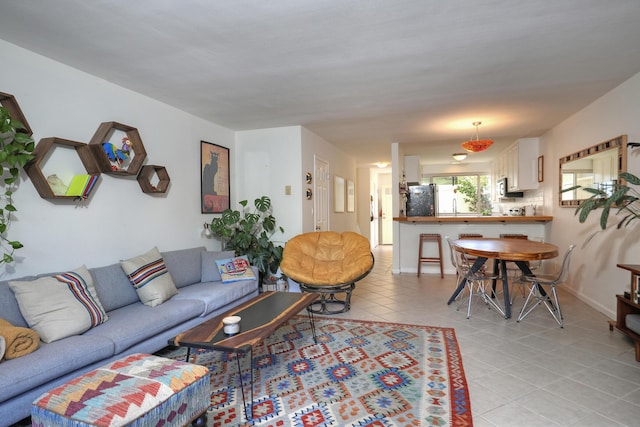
(386, 209)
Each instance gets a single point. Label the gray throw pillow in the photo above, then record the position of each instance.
(149, 276)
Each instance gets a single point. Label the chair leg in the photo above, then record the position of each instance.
(534, 293)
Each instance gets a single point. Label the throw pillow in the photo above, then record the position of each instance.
(60, 306)
(210, 271)
(234, 269)
(149, 276)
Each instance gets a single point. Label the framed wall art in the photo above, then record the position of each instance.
(351, 196)
(214, 172)
(540, 168)
(338, 193)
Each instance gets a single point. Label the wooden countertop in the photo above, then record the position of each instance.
(461, 218)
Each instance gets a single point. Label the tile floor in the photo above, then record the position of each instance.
(531, 373)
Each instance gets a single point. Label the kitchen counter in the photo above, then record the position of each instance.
(408, 229)
(484, 219)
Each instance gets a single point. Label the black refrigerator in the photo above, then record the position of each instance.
(422, 200)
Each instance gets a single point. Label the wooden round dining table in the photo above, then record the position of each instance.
(519, 251)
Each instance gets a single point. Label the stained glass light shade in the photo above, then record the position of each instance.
(477, 145)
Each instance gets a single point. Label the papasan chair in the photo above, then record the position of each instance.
(328, 263)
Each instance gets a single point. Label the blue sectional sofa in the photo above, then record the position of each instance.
(132, 327)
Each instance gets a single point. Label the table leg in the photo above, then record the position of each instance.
(505, 287)
(313, 325)
(248, 410)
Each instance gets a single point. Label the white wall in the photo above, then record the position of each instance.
(119, 221)
(268, 160)
(594, 275)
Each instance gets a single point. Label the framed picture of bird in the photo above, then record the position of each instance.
(214, 172)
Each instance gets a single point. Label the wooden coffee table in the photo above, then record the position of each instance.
(261, 316)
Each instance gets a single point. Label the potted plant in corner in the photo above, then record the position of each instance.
(248, 232)
(621, 198)
(15, 152)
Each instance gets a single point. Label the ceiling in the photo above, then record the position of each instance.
(359, 73)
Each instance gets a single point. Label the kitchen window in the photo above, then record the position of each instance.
(463, 194)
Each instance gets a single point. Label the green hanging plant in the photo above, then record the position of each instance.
(15, 151)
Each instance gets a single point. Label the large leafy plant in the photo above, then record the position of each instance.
(621, 199)
(15, 151)
(249, 232)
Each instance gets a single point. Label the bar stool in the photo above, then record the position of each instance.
(428, 237)
(513, 271)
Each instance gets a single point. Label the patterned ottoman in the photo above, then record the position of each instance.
(137, 390)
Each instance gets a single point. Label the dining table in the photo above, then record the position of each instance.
(502, 250)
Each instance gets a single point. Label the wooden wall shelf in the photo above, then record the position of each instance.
(9, 102)
(34, 167)
(103, 134)
(146, 175)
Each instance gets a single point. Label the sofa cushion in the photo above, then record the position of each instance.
(148, 321)
(113, 287)
(71, 305)
(149, 276)
(9, 309)
(184, 265)
(210, 271)
(217, 294)
(51, 361)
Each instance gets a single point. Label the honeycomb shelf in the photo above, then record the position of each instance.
(104, 134)
(146, 175)
(41, 152)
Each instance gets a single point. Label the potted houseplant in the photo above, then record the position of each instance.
(248, 232)
(621, 198)
(15, 151)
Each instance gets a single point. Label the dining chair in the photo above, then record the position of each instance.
(535, 298)
(476, 282)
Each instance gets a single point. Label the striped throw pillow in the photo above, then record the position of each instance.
(149, 276)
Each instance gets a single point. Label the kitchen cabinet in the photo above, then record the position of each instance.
(522, 164)
(412, 169)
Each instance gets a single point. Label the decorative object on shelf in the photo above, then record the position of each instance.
(309, 194)
(458, 157)
(51, 187)
(215, 173)
(125, 160)
(477, 145)
(249, 232)
(153, 179)
(16, 149)
(308, 179)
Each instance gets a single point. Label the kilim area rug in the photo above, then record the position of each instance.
(358, 374)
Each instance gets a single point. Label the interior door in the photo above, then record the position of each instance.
(386, 209)
(321, 194)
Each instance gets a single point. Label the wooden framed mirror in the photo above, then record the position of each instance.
(597, 166)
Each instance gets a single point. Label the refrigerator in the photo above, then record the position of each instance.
(421, 200)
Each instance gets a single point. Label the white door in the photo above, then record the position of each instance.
(321, 194)
(386, 207)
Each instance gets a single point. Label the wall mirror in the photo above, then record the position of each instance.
(597, 167)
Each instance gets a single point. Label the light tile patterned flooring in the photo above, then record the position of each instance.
(531, 373)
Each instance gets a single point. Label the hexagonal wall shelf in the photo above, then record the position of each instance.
(9, 102)
(150, 174)
(46, 145)
(103, 135)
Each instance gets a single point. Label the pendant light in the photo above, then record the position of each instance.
(477, 145)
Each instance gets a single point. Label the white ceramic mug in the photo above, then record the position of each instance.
(231, 325)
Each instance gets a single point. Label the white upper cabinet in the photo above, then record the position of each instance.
(522, 164)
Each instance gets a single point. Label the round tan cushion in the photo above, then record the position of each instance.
(326, 258)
